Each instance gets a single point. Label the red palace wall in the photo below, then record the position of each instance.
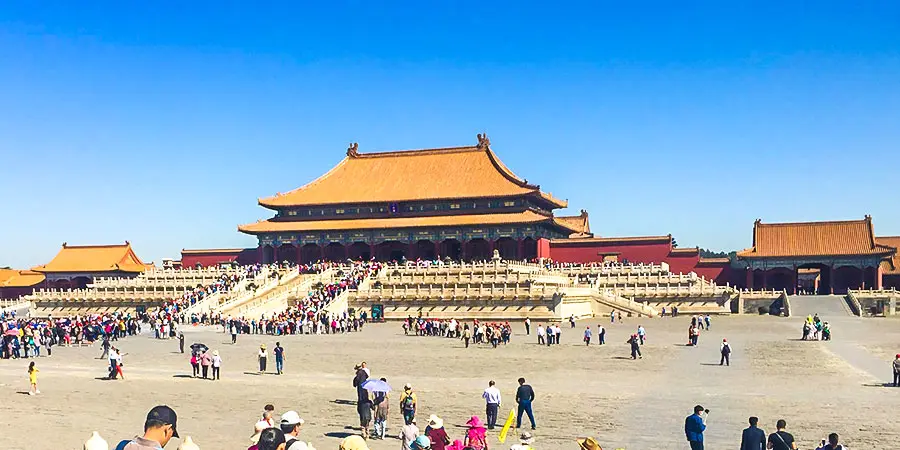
(587, 252)
(212, 258)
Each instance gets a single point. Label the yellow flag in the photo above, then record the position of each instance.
(507, 425)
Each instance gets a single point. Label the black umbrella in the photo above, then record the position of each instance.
(198, 347)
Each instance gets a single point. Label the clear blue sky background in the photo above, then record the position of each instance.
(162, 123)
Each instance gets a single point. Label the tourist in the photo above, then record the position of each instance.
(195, 364)
(525, 441)
(476, 435)
(642, 333)
(588, 443)
(753, 438)
(181, 341)
(436, 433)
(780, 439)
(353, 442)
(612, 317)
(408, 433)
(290, 426)
(263, 356)
(694, 428)
(268, 413)
(572, 321)
(587, 335)
(271, 439)
(620, 317)
(257, 431)
(32, 379)
(205, 362)
(826, 331)
(492, 400)
(725, 350)
(382, 410)
(896, 366)
(279, 358)
(527, 326)
(601, 334)
(119, 356)
(363, 405)
(216, 365)
(524, 398)
(234, 332)
(557, 334)
(540, 334)
(832, 443)
(706, 319)
(635, 347)
(467, 334)
(408, 402)
(807, 328)
(422, 443)
(104, 345)
(113, 364)
(159, 428)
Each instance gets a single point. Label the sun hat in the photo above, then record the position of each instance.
(422, 442)
(291, 418)
(526, 438)
(435, 421)
(262, 346)
(257, 431)
(475, 422)
(215, 353)
(354, 442)
(588, 444)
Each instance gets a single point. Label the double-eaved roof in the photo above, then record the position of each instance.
(816, 239)
(412, 175)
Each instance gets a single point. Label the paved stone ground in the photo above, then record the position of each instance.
(818, 387)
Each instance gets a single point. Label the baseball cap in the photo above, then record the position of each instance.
(291, 418)
(163, 414)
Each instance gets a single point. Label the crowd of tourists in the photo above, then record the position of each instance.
(815, 329)
(26, 338)
(494, 333)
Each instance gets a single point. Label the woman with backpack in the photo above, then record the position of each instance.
(726, 353)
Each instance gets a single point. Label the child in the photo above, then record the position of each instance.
(32, 377)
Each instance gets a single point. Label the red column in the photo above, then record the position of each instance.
(765, 278)
(879, 273)
(520, 249)
(298, 253)
(274, 253)
(371, 250)
(346, 251)
(831, 280)
(412, 250)
(795, 278)
(463, 250)
(259, 253)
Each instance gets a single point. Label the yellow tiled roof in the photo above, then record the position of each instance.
(431, 174)
(396, 222)
(19, 278)
(94, 258)
(851, 237)
(891, 266)
(580, 224)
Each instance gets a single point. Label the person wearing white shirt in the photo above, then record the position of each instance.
(491, 397)
(540, 334)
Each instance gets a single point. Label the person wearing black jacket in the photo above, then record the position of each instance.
(753, 438)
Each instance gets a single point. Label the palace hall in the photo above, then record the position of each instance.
(457, 202)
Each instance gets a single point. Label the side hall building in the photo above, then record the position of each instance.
(818, 257)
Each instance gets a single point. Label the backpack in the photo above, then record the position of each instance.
(407, 403)
(726, 349)
(122, 444)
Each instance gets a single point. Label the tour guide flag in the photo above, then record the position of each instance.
(507, 425)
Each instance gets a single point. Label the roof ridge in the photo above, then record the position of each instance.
(413, 152)
(817, 222)
(127, 244)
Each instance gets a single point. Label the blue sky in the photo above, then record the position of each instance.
(163, 124)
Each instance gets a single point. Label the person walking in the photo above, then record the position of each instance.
(476, 435)
(436, 433)
(408, 402)
(181, 341)
(635, 347)
(550, 331)
(753, 438)
(382, 410)
(467, 334)
(642, 333)
(833, 443)
(113, 364)
(408, 434)
(279, 358)
(205, 362)
(527, 326)
(896, 366)
(694, 428)
(195, 364)
(524, 398)
(234, 332)
(32, 379)
(726, 353)
(492, 401)
(780, 439)
(540, 334)
(601, 334)
(263, 357)
(587, 336)
(216, 365)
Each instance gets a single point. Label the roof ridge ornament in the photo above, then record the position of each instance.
(484, 142)
(353, 150)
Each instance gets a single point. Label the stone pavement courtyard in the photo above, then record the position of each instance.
(818, 387)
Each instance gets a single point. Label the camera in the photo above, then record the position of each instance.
(706, 411)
